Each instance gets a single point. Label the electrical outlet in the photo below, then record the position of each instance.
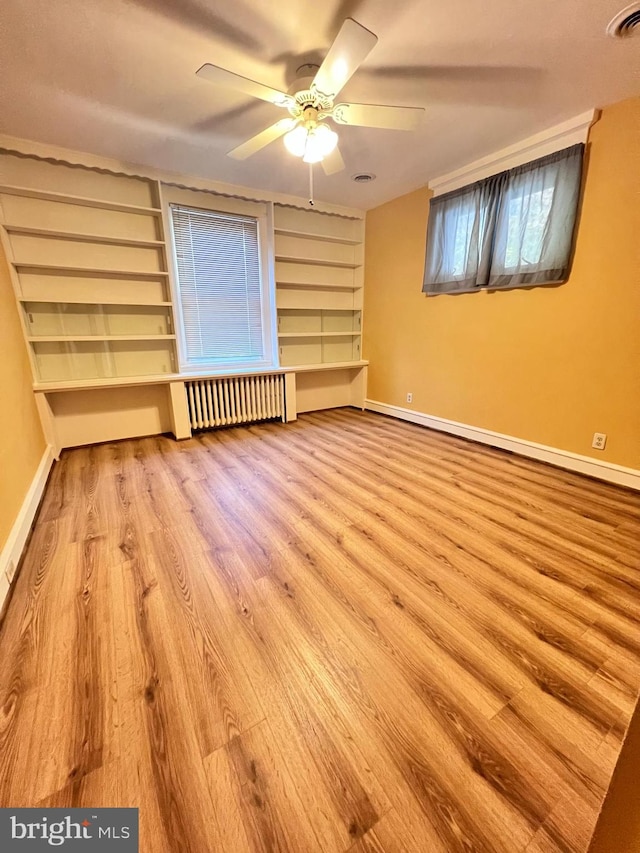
(409, 397)
(599, 440)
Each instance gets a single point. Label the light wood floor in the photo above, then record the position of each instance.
(347, 633)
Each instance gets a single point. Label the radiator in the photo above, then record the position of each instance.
(238, 400)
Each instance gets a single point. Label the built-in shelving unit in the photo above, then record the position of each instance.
(319, 290)
(318, 271)
(90, 270)
(88, 261)
(79, 236)
(26, 301)
(309, 235)
(42, 338)
(317, 334)
(83, 201)
(316, 261)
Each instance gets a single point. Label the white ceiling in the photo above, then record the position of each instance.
(117, 78)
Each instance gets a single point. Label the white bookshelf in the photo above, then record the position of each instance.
(319, 281)
(78, 236)
(88, 262)
(104, 302)
(318, 334)
(98, 272)
(89, 269)
(82, 201)
(309, 235)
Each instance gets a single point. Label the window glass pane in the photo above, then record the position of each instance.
(463, 224)
(527, 223)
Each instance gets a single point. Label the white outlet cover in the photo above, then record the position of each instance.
(599, 440)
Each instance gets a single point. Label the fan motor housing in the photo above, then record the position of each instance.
(305, 75)
(305, 95)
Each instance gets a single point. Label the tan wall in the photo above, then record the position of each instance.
(551, 365)
(21, 440)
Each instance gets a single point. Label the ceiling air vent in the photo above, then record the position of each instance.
(625, 23)
(363, 178)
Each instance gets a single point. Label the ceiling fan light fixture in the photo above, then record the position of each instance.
(311, 100)
(296, 141)
(313, 144)
(321, 141)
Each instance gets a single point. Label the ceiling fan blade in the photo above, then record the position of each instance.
(333, 162)
(222, 77)
(352, 45)
(260, 140)
(376, 115)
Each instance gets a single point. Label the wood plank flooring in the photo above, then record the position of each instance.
(344, 634)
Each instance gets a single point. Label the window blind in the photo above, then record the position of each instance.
(218, 267)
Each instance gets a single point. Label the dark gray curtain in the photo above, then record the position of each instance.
(536, 221)
(459, 237)
(514, 228)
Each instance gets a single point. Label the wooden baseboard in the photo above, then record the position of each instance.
(19, 533)
(617, 474)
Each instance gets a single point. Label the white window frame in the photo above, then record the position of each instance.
(263, 214)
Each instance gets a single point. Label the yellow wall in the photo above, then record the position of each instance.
(21, 440)
(551, 365)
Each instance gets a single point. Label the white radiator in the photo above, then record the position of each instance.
(238, 400)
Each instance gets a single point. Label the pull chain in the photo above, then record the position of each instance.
(311, 201)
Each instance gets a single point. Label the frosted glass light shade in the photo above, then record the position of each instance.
(312, 145)
(320, 142)
(296, 141)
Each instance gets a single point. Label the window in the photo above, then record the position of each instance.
(514, 228)
(224, 303)
(462, 242)
(459, 238)
(526, 223)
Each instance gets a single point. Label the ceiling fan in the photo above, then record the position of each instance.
(310, 102)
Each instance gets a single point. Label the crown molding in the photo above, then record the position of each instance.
(555, 138)
(69, 157)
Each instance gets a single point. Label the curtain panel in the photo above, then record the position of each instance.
(512, 229)
(460, 231)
